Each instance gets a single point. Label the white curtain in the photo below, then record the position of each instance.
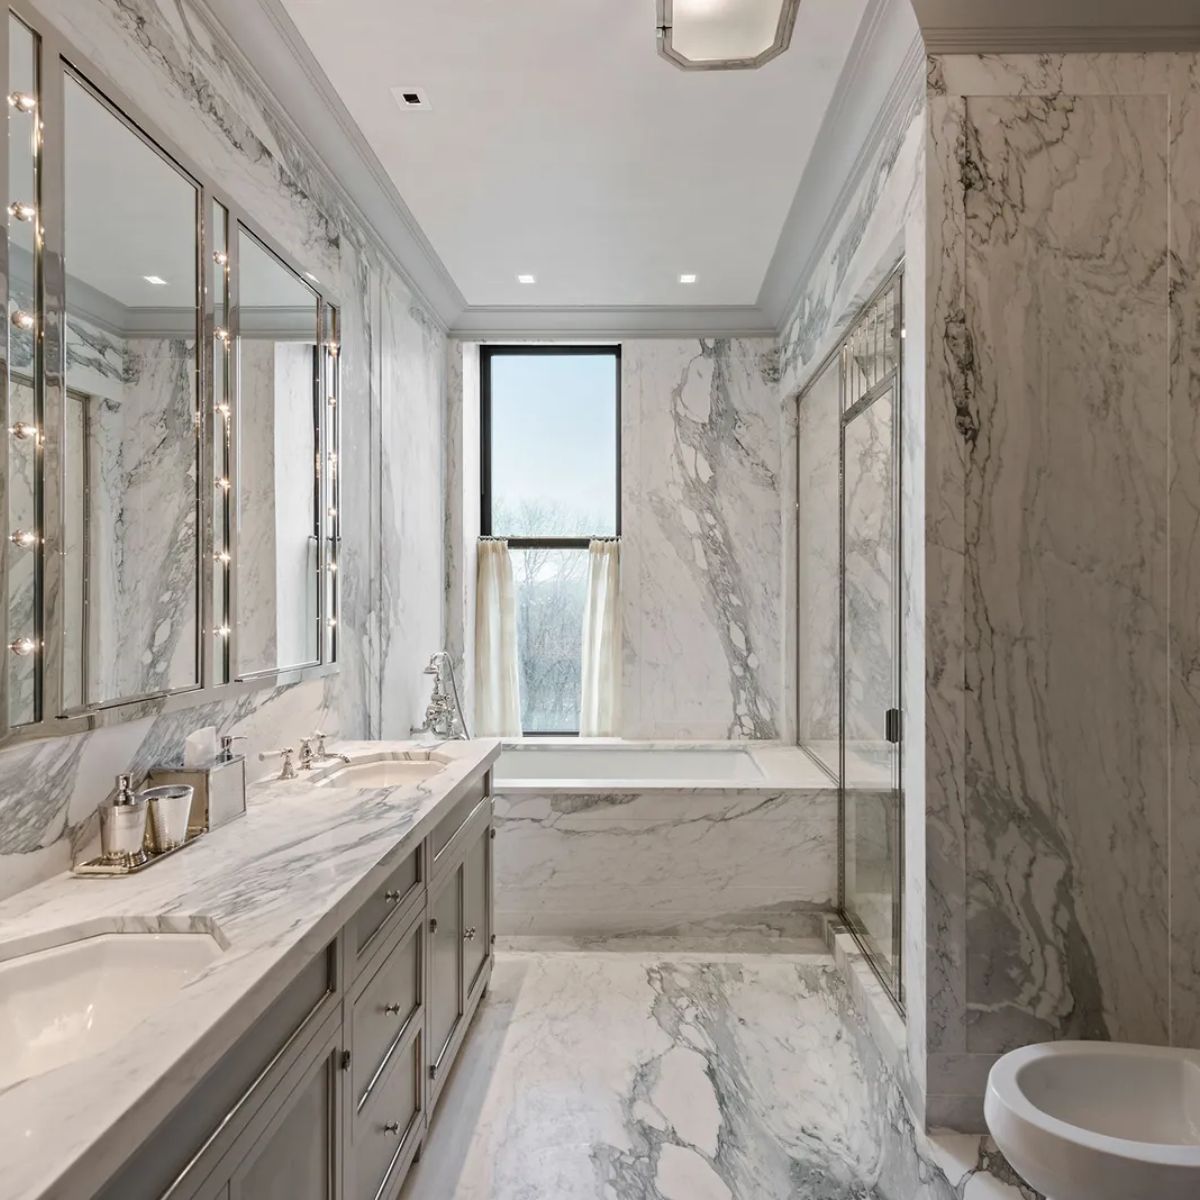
(599, 705)
(497, 678)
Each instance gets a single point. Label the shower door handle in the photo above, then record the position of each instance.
(891, 724)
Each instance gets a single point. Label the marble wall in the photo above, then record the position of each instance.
(170, 63)
(1061, 484)
(702, 450)
(665, 861)
(701, 539)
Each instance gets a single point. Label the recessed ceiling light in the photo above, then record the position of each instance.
(527, 279)
(687, 279)
(157, 280)
(411, 99)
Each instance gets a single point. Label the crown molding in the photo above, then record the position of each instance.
(478, 323)
(1061, 39)
(305, 101)
(878, 86)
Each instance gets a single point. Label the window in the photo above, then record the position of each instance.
(551, 419)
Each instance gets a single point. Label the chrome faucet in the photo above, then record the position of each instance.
(443, 716)
(321, 755)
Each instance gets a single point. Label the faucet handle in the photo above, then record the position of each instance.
(319, 737)
(288, 770)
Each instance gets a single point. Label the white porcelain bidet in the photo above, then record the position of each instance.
(1099, 1120)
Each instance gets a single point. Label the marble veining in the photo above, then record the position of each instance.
(682, 1076)
(277, 884)
(584, 864)
(174, 67)
(701, 539)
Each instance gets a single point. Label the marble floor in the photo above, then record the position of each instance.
(638, 1075)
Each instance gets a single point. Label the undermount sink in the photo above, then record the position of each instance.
(71, 1001)
(1099, 1120)
(392, 772)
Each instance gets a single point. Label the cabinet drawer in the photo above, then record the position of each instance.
(457, 817)
(386, 1127)
(389, 897)
(382, 1012)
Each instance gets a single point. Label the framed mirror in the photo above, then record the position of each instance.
(171, 403)
(278, 549)
(129, 530)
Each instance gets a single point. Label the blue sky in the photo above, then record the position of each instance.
(554, 435)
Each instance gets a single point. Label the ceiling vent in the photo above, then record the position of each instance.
(411, 99)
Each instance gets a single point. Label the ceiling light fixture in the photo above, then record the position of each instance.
(687, 279)
(411, 99)
(157, 280)
(527, 279)
(724, 35)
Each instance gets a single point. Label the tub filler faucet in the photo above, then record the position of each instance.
(443, 714)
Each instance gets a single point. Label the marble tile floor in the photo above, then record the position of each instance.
(674, 1075)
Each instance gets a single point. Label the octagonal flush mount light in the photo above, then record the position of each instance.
(724, 35)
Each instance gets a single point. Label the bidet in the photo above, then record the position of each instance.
(1099, 1120)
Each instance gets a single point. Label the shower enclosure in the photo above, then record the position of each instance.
(848, 665)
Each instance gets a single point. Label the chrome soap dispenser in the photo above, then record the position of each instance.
(219, 787)
(123, 826)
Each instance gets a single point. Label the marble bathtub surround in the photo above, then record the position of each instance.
(631, 857)
(275, 885)
(205, 98)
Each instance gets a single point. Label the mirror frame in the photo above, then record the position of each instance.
(58, 59)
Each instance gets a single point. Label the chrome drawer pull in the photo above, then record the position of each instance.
(391, 896)
(391, 1008)
(469, 936)
(392, 1127)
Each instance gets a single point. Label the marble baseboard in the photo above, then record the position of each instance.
(569, 865)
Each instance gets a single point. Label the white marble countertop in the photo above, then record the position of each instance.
(275, 886)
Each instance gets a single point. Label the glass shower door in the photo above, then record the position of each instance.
(871, 795)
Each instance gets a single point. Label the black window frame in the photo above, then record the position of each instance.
(486, 355)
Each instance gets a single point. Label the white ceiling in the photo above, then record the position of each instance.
(559, 143)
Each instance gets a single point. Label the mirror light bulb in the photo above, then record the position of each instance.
(22, 101)
(23, 538)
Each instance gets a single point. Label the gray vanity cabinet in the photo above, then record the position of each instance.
(328, 1096)
(460, 939)
(295, 1155)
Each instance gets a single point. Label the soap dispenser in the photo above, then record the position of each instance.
(219, 786)
(123, 826)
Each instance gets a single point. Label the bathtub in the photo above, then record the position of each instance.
(641, 839)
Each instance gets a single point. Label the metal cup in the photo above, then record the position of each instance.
(170, 808)
(123, 831)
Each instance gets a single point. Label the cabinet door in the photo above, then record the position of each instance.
(477, 909)
(446, 996)
(296, 1156)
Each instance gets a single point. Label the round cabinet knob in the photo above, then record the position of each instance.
(393, 1009)
(392, 1127)
(391, 896)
